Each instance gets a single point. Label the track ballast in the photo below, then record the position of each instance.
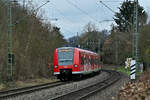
(83, 93)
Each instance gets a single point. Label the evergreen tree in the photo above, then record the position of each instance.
(125, 17)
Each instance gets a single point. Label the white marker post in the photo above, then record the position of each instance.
(133, 69)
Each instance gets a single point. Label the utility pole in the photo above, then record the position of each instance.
(99, 46)
(77, 40)
(137, 36)
(9, 49)
(134, 32)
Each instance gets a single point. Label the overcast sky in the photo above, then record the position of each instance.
(73, 15)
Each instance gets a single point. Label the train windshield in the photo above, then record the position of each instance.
(65, 56)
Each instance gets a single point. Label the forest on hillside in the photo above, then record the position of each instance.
(33, 42)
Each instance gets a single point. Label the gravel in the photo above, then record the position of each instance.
(47, 94)
(111, 92)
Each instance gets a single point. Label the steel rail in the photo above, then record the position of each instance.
(107, 84)
(19, 91)
(85, 92)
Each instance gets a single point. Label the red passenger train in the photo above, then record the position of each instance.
(74, 62)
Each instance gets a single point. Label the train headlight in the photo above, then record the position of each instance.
(56, 66)
(75, 66)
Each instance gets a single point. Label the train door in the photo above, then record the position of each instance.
(99, 63)
(90, 63)
(85, 63)
(81, 62)
(96, 63)
(93, 64)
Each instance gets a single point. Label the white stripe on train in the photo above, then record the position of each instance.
(81, 72)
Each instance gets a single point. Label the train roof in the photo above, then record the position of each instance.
(82, 50)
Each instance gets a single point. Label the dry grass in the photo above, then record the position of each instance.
(27, 83)
(33, 82)
(3, 87)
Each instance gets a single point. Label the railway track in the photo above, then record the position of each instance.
(81, 93)
(25, 90)
(84, 93)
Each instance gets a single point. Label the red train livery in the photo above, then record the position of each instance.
(74, 62)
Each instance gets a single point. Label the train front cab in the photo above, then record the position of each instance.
(66, 63)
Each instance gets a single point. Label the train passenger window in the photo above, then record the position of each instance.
(82, 60)
(92, 61)
(85, 61)
(89, 60)
(96, 61)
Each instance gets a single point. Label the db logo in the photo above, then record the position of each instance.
(65, 66)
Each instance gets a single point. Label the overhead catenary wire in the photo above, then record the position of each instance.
(104, 12)
(33, 10)
(107, 20)
(60, 12)
(82, 10)
(112, 1)
(69, 34)
(115, 12)
(107, 7)
(68, 31)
